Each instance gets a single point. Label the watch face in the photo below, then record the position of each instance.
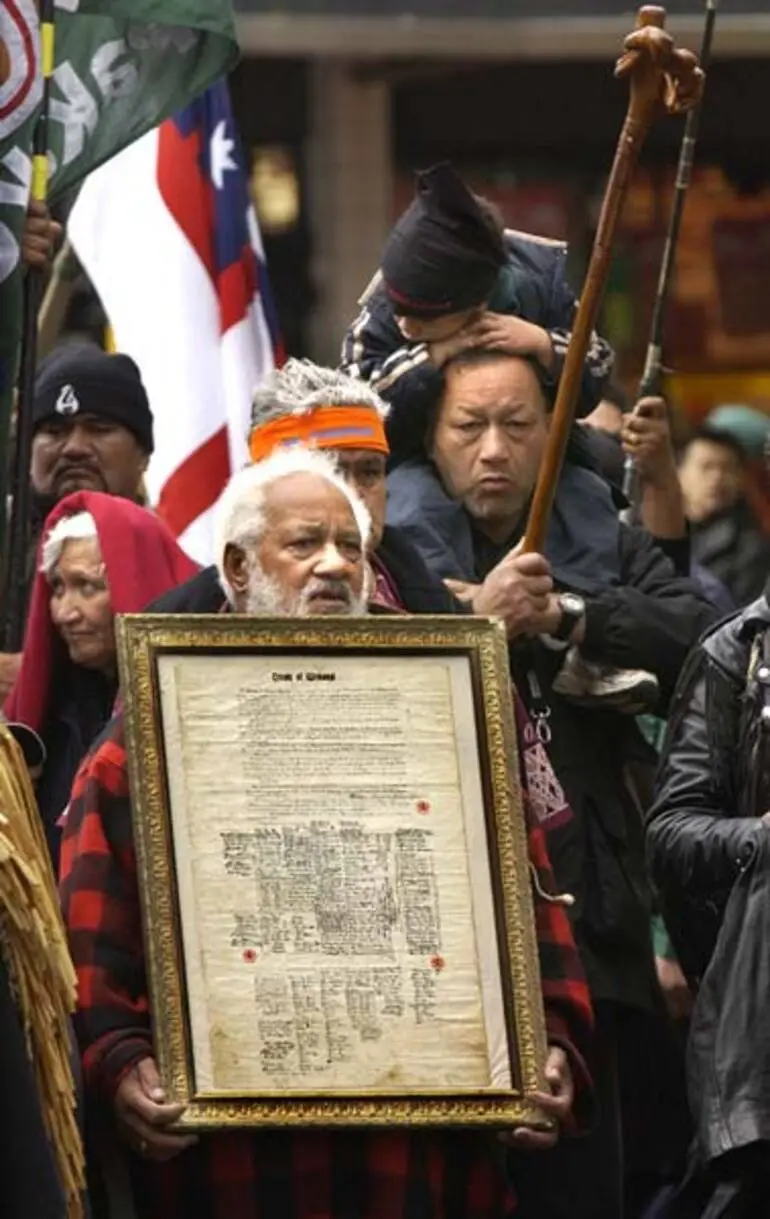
(572, 604)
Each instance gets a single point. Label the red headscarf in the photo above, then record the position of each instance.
(142, 560)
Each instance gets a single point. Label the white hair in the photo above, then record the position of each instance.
(239, 517)
(69, 529)
(301, 385)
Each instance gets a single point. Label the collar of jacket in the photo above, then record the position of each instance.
(755, 616)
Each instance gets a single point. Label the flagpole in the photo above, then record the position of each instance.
(13, 595)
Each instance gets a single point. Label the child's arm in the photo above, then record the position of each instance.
(559, 320)
(402, 373)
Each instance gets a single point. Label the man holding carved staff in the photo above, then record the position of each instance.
(599, 622)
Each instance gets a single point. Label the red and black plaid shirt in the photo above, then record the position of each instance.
(272, 1175)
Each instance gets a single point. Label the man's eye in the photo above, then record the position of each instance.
(302, 545)
(469, 427)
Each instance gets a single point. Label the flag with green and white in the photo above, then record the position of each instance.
(120, 68)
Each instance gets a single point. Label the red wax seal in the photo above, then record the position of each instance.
(437, 963)
(423, 806)
(249, 956)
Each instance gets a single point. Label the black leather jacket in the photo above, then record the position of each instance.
(713, 782)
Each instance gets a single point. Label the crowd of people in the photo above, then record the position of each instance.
(400, 483)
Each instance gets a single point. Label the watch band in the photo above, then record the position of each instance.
(570, 616)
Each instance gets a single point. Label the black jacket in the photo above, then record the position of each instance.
(733, 548)
(81, 704)
(639, 615)
(712, 783)
(420, 592)
(29, 1183)
(532, 286)
(710, 857)
(650, 620)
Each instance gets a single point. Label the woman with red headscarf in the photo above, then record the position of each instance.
(99, 556)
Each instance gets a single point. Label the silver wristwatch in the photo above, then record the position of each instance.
(572, 609)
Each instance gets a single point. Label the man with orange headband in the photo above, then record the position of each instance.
(311, 407)
(321, 408)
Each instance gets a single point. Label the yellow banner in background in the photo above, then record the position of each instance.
(695, 394)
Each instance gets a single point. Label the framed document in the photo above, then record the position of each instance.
(333, 868)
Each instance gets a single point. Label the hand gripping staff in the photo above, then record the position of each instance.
(663, 80)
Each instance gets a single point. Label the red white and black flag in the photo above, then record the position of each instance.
(169, 238)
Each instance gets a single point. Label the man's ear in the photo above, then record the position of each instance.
(236, 568)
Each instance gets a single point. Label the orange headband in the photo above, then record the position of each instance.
(323, 427)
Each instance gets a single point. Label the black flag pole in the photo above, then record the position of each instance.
(13, 593)
(651, 384)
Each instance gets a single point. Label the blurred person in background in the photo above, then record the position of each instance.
(751, 427)
(725, 534)
(644, 434)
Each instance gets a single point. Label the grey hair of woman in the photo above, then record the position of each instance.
(301, 385)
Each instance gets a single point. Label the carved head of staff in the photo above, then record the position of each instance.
(664, 78)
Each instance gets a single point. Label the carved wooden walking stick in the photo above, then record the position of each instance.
(664, 80)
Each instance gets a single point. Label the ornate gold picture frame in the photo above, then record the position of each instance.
(333, 870)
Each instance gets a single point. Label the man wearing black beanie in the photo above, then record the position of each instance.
(92, 426)
(92, 432)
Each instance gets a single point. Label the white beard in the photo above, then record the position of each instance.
(264, 596)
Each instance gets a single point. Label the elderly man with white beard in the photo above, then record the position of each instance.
(291, 540)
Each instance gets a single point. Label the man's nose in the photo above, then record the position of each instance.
(331, 561)
(493, 446)
(76, 440)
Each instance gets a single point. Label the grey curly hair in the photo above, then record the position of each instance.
(300, 385)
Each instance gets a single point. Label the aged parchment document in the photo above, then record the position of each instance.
(334, 883)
